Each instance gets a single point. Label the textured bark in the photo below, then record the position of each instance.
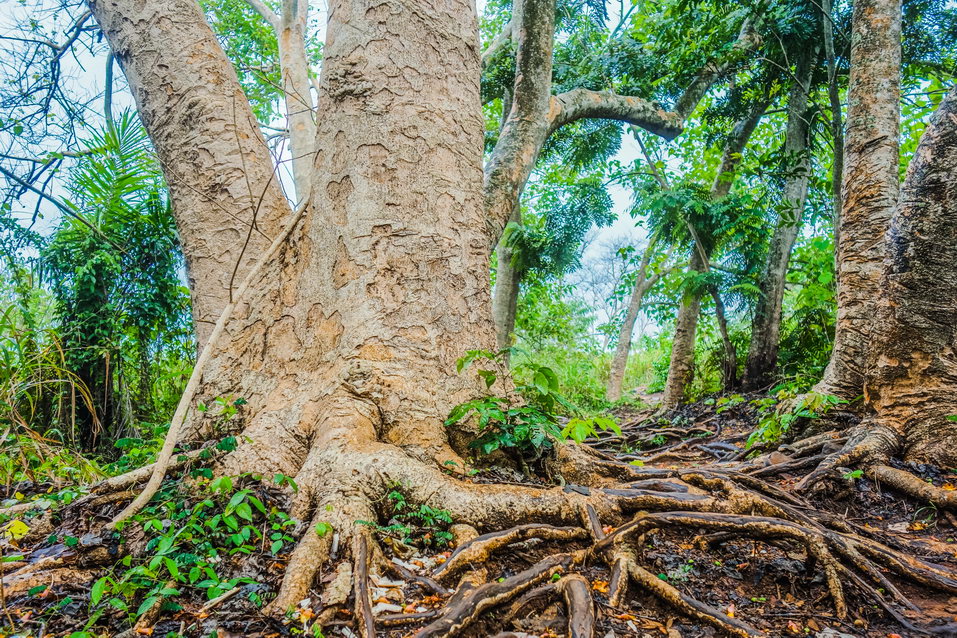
(766, 324)
(212, 153)
(681, 367)
(384, 285)
(912, 386)
(870, 187)
(643, 283)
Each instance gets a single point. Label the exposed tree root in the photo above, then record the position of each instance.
(581, 608)
(909, 484)
(480, 549)
(345, 475)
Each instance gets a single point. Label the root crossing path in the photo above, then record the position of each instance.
(696, 541)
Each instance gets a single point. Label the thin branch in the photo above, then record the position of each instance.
(265, 13)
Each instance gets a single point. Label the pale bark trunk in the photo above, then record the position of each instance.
(643, 283)
(384, 285)
(681, 367)
(226, 200)
(912, 384)
(527, 125)
(870, 187)
(290, 29)
(297, 94)
(766, 325)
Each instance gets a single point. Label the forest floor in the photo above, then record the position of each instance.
(773, 587)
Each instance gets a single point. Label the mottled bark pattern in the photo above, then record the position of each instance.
(212, 153)
(766, 325)
(385, 284)
(870, 187)
(912, 386)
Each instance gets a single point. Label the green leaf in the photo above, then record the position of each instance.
(98, 589)
(146, 605)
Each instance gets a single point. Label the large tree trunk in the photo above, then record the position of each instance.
(681, 367)
(766, 325)
(226, 199)
(912, 384)
(870, 188)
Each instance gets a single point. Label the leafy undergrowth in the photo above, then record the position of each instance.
(207, 554)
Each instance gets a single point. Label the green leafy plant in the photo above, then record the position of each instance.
(192, 546)
(422, 526)
(775, 423)
(525, 420)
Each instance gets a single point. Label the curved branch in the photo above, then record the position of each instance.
(579, 104)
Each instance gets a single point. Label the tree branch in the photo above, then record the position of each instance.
(265, 13)
(498, 42)
(579, 104)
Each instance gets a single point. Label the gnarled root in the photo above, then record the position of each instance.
(868, 444)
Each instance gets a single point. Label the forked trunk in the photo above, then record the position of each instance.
(870, 188)
(912, 386)
(766, 325)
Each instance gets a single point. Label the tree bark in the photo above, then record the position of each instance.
(766, 324)
(912, 384)
(870, 188)
(226, 200)
(681, 367)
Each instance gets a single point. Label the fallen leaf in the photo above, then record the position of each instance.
(601, 586)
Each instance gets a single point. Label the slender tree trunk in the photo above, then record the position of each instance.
(643, 283)
(681, 368)
(912, 384)
(766, 325)
(226, 200)
(297, 94)
(870, 188)
(508, 280)
(837, 126)
(729, 355)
